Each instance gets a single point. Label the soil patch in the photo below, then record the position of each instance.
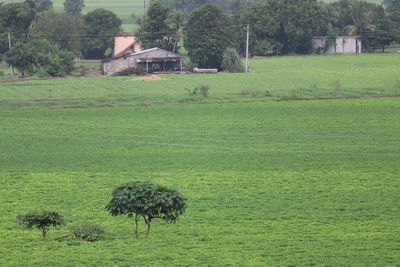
(331, 98)
(149, 78)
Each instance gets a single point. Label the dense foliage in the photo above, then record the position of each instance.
(100, 27)
(74, 7)
(231, 61)
(160, 27)
(88, 231)
(43, 5)
(41, 220)
(147, 200)
(40, 57)
(280, 27)
(15, 18)
(208, 32)
(65, 30)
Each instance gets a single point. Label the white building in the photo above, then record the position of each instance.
(338, 44)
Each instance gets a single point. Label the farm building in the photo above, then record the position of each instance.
(143, 62)
(125, 44)
(338, 44)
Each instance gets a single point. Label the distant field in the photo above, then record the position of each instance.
(272, 78)
(293, 183)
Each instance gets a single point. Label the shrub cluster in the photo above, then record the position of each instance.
(136, 200)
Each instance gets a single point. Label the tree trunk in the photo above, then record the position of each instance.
(44, 232)
(148, 222)
(136, 224)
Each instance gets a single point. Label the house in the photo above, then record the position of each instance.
(143, 62)
(124, 44)
(338, 44)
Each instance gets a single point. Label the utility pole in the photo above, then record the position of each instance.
(9, 47)
(247, 48)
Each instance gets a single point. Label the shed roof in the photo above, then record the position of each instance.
(165, 53)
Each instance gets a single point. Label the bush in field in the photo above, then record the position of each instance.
(87, 231)
(202, 90)
(41, 220)
(231, 61)
(146, 200)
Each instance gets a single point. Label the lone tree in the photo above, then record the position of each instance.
(41, 220)
(146, 200)
(208, 32)
(100, 27)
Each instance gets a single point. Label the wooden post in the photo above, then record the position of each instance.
(9, 46)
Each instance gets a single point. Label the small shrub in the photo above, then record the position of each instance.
(41, 220)
(188, 64)
(338, 84)
(88, 231)
(231, 61)
(82, 69)
(202, 90)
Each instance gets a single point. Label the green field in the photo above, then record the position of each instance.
(293, 183)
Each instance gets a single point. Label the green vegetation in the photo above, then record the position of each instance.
(272, 78)
(148, 201)
(42, 220)
(88, 231)
(297, 183)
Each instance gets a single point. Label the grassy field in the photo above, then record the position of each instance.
(273, 78)
(296, 183)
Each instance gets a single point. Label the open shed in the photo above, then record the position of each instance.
(143, 62)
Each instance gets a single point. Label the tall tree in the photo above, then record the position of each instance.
(74, 7)
(43, 5)
(65, 30)
(100, 27)
(15, 18)
(392, 7)
(282, 26)
(355, 17)
(159, 27)
(208, 32)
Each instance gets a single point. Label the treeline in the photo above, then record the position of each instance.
(45, 41)
(206, 30)
(276, 26)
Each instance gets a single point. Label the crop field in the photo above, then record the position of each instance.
(268, 183)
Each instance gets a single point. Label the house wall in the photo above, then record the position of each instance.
(130, 62)
(122, 42)
(348, 45)
(344, 45)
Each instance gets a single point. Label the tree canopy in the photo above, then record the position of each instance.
(40, 57)
(41, 220)
(100, 27)
(74, 7)
(65, 30)
(146, 200)
(43, 5)
(160, 27)
(208, 32)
